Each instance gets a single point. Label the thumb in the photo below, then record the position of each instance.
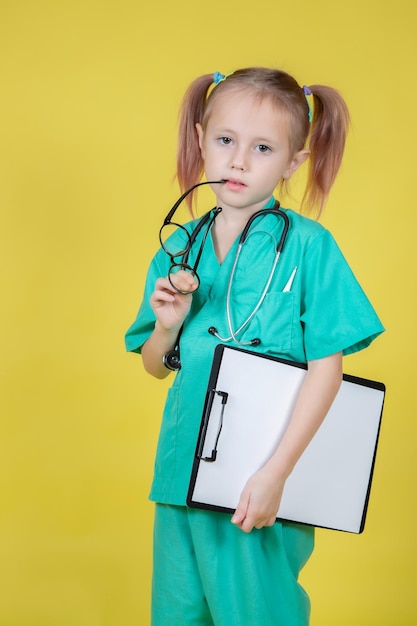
(241, 510)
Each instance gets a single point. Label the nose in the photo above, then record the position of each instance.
(239, 159)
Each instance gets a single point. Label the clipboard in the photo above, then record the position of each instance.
(249, 401)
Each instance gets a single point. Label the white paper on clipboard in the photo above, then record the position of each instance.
(249, 401)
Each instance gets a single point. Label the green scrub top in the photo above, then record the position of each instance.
(324, 312)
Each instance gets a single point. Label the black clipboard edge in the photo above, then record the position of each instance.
(212, 383)
(214, 373)
(219, 349)
(380, 387)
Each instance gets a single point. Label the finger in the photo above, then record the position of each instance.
(160, 296)
(268, 521)
(183, 282)
(248, 525)
(253, 519)
(165, 291)
(241, 510)
(163, 294)
(163, 285)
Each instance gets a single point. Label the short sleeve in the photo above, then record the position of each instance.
(335, 312)
(143, 326)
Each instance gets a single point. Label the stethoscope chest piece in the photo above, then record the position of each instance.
(172, 361)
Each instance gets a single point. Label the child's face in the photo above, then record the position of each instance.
(246, 143)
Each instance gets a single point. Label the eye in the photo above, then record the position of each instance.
(226, 141)
(263, 148)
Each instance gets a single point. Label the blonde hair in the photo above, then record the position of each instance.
(327, 130)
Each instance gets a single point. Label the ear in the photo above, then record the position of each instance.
(297, 160)
(200, 133)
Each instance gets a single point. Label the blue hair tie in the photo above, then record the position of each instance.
(307, 92)
(218, 77)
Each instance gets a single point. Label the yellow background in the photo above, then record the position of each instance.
(89, 94)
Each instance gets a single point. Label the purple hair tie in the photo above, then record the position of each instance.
(307, 92)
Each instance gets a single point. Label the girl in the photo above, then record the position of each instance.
(247, 131)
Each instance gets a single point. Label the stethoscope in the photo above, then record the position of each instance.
(172, 358)
(233, 333)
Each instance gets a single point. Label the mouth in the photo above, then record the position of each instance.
(234, 183)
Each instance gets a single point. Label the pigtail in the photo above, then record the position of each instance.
(189, 160)
(327, 142)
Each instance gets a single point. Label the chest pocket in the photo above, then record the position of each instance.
(273, 323)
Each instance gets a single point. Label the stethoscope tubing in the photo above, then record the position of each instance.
(172, 359)
(275, 211)
(234, 333)
(279, 248)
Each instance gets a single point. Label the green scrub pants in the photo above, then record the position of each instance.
(207, 572)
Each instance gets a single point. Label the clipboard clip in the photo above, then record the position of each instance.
(224, 397)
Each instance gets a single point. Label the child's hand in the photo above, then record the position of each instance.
(170, 306)
(259, 502)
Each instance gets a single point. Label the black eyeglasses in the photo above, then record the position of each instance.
(179, 257)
